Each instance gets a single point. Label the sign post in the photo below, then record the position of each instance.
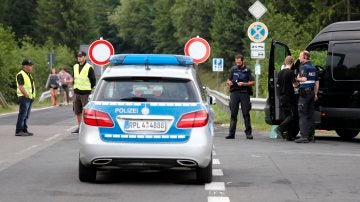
(218, 66)
(257, 33)
(100, 52)
(198, 49)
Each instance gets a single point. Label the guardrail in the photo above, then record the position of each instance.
(258, 104)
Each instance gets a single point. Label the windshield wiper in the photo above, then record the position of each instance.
(136, 99)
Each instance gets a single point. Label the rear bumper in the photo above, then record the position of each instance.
(198, 150)
(339, 118)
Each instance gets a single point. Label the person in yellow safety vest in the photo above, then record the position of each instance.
(84, 82)
(26, 94)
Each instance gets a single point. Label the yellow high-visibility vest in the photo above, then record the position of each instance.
(27, 85)
(81, 79)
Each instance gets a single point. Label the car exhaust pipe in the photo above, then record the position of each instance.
(187, 163)
(101, 161)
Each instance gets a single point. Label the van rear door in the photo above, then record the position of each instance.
(278, 52)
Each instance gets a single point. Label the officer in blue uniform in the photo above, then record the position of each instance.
(240, 82)
(308, 89)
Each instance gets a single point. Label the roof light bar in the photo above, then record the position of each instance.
(151, 59)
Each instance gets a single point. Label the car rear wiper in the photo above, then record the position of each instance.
(136, 99)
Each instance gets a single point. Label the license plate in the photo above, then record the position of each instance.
(143, 125)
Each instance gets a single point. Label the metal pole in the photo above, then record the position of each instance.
(257, 80)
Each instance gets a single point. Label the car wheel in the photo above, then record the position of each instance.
(347, 134)
(86, 174)
(204, 175)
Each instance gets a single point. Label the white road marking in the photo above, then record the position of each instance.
(218, 199)
(216, 161)
(215, 186)
(217, 172)
(214, 153)
(52, 137)
(72, 128)
(27, 149)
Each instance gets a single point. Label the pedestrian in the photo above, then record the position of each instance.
(240, 82)
(308, 89)
(286, 84)
(84, 82)
(53, 84)
(65, 79)
(26, 94)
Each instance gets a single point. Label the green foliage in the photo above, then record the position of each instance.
(8, 56)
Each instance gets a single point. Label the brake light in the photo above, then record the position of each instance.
(193, 119)
(93, 117)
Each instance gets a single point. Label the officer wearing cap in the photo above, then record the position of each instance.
(84, 82)
(26, 94)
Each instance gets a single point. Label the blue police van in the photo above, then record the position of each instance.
(148, 111)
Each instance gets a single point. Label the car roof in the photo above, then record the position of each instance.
(338, 31)
(151, 65)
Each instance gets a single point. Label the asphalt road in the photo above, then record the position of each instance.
(44, 168)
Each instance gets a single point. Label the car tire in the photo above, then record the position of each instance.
(86, 174)
(204, 175)
(347, 134)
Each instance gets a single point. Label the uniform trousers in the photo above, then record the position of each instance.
(306, 107)
(243, 99)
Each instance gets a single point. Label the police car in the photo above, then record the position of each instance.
(148, 111)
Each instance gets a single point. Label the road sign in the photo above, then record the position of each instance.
(198, 49)
(257, 9)
(100, 52)
(257, 46)
(257, 32)
(218, 64)
(257, 54)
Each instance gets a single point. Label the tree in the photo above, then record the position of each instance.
(133, 20)
(66, 22)
(19, 15)
(163, 35)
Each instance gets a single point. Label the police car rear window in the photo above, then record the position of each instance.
(146, 89)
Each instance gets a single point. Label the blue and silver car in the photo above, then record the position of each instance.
(148, 111)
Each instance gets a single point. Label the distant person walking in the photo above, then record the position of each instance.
(309, 86)
(53, 85)
(286, 83)
(65, 79)
(26, 94)
(240, 82)
(84, 82)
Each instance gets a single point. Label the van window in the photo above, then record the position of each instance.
(346, 64)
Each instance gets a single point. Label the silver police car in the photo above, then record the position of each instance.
(148, 111)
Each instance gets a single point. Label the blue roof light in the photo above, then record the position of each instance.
(151, 59)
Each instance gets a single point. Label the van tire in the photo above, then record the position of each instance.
(347, 134)
(204, 175)
(86, 174)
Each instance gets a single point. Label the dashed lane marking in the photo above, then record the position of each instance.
(218, 199)
(215, 186)
(217, 172)
(216, 161)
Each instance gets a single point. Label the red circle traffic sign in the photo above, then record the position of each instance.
(198, 49)
(100, 52)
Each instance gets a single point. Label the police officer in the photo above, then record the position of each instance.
(240, 82)
(308, 90)
(84, 82)
(26, 94)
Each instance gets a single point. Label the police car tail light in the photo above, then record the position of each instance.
(193, 119)
(97, 118)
